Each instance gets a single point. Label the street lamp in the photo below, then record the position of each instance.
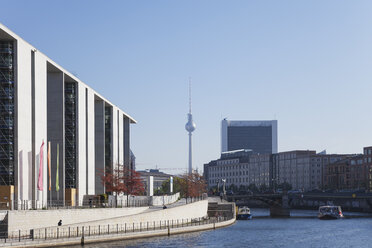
(224, 186)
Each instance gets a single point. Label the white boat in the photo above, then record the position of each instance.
(330, 213)
(244, 213)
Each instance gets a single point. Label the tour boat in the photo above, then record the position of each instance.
(330, 213)
(244, 213)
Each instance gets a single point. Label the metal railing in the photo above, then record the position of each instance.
(60, 204)
(65, 204)
(54, 233)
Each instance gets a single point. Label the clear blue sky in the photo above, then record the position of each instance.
(307, 64)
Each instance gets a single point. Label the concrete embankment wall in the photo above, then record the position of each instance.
(122, 236)
(33, 219)
(186, 212)
(189, 211)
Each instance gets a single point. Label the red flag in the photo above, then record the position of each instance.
(40, 181)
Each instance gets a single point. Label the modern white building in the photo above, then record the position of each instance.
(42, 102)
(259, 136)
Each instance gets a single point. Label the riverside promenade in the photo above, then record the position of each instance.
(177, 218)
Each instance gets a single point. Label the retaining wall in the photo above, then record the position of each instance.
(32, 219)
(154, 217)
(121, 236)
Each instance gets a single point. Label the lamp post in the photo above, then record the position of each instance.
(224, 186)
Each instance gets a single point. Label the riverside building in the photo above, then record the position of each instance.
(41, 102)
(240, 167)
(354, 172)
(302, 169)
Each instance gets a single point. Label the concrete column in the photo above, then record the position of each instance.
(91, 170)
(150, 186)
(81, 143)
(23, 121)
(121, 137)
(115, 138)
(39, 124)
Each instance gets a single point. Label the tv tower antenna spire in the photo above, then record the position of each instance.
(190, 127)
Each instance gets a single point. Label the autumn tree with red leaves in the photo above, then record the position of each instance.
(193, 185)
(122, 180)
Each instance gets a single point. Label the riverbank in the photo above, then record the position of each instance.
(151, 223)
(167, 230)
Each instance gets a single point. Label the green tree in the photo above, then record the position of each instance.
(263, 188)
(285, 186)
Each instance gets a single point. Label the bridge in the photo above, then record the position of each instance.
(280, 204)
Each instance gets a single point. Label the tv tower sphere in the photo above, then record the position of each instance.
(190, 125)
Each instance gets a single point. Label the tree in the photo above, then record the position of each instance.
(122, 180)
(133, 183)
(263, 188)
(192, 185)
(252, 187)
(112, 181)
(285, 186)
(165, 186)
(242, 187)
(233, 188)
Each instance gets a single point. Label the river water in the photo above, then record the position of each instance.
(303, 229)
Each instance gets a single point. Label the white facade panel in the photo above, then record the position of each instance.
(115, 140)
(23, 150)
(40, 126)
(82, 144)
(91, 145)
(121, 138)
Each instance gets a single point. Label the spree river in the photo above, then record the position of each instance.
(303, 229)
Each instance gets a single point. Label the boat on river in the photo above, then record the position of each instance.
(330, 213)
(244, 213)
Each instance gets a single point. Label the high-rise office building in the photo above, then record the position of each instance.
(40, 102)
(259, 136)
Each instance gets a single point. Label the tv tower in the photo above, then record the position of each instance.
(190, 127)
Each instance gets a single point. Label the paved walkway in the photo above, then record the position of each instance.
(216, 199)
(178, 203)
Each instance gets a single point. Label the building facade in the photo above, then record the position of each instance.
(239, 168)
(303, 170)
(367, 151)
(41, 102)
(354, 172)
(259, 136)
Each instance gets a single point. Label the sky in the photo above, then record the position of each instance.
(307, 64)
